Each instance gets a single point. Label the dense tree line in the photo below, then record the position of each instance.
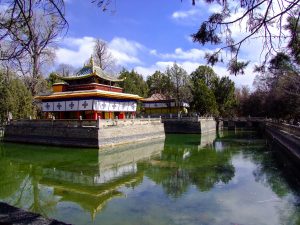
(206, 93)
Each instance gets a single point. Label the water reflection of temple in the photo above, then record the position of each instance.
(89, 178)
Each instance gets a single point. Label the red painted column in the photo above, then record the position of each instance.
(61, 115)
(95, 115)
(77, 114)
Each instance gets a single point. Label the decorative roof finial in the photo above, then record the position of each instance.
(92, 63)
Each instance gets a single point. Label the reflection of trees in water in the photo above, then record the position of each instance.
(270, 172)
(21, 170)
(182, 164)
(21, 188)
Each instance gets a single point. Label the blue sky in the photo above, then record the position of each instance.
(143, 35)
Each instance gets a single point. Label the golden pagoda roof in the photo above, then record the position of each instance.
(88, 93)
(90, 70)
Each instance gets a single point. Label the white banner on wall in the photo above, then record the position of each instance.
(71, 105)
(59, 106)
(85, 105)
(90, 104)
(47, 106)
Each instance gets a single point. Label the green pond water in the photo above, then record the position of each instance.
(229, 178)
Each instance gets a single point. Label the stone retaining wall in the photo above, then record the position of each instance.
(287, 143)
(122, 134)
(65, 133)
(190, 126)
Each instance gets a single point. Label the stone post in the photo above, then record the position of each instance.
(80, 121)
(98, 122)
(53, 119)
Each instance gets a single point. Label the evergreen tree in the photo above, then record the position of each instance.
(206, 74)
(204, 101)
(223, 89)
(160, 83)
(15, 98)
(133, 83)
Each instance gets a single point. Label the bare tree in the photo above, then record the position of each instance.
(65, 70)
(16, 18)
(103, 58)
(40, 33)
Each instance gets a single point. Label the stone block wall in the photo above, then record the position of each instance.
(119, 132)
(52, 135)
(208, 125)
(187, 126)
(130, 133)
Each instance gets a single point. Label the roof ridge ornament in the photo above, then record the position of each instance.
(92, 64)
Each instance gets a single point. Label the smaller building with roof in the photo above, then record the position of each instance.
(159, 104)
(89, 94)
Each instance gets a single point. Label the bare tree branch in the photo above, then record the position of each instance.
(16, 19)
(103, 58)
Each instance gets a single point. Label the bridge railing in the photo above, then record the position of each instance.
(244, 119)
(190, 119)
(291, 129)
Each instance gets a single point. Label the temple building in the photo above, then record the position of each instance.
(89, 94)
(158, 104)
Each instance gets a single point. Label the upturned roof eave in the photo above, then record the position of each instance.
(82, 94)
(88, 75)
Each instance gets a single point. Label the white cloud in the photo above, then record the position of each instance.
(75, 51)
(189, 38)
(184, 14)
(239, 80)
(153, 52)
(163, 65)
(123, 59)
(126, 46)
(195, 12)
(215, 8)
(193, 54)
(125, 51)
